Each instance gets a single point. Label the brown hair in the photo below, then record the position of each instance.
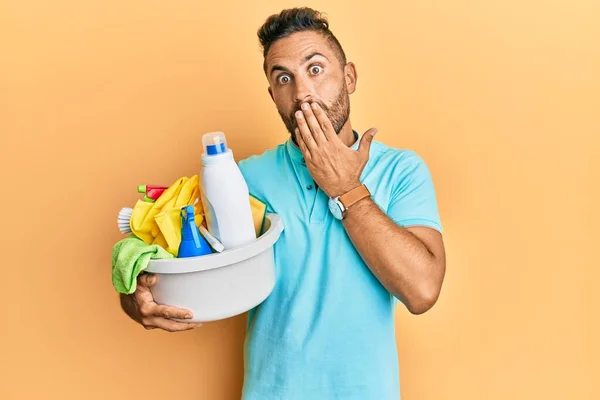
(293, 20)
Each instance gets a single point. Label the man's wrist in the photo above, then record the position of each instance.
(357, 208)
(345, 189)
(340, 205)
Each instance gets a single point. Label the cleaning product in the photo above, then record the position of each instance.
(159, 221)
(192, 243)
(225, 194)
(151, 192)
(259, 212)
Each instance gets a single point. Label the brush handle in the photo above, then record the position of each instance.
(213, 241)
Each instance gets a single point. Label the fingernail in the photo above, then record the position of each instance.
(188, 316)
(314, 106)
(305, 106)
(299, 114)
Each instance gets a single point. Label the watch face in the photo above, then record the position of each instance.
(335, 209)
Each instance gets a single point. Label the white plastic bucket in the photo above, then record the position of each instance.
(220, 285)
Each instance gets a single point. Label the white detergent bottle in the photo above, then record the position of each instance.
(225, 194)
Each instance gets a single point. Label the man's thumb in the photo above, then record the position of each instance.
(147, 280)
(365, 141)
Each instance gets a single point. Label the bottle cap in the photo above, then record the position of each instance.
(214, 143)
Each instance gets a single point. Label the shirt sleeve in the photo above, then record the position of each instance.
(413, 201)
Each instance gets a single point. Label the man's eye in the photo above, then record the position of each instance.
(315, 70)
(283, 79)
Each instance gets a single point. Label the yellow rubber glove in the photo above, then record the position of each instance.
(160, 222)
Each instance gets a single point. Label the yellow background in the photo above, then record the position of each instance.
(501, 99)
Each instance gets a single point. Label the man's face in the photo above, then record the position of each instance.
(304, 67)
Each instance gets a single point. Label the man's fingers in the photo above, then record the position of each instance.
(324, 122)
(372, 132)
(171, 312)
(150, 309)
(365, 142)
(169, 325)
(156, 315)
(147, 280)
(305, 132)
(313, 123)
(302, 145)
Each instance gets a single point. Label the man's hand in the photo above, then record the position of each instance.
(334, 166)
(141, 307)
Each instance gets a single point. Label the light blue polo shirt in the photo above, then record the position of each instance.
(327, 330)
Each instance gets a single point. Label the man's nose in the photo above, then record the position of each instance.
(304, 91)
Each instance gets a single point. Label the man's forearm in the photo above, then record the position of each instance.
(128, 306)
(401, 261)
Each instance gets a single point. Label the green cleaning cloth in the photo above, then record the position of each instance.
(130, 256)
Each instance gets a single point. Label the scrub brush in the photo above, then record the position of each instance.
(123, 220)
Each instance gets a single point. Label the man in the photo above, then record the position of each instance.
(361, 231)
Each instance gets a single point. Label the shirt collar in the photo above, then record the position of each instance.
(296, 154)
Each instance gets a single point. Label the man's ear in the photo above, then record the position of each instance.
(271, 93)
(350, 76)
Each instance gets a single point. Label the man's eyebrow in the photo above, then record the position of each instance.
(311, 55)
(277, 67)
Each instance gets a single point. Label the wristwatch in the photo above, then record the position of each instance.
(339, 205)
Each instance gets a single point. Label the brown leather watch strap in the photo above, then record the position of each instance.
(355, 195)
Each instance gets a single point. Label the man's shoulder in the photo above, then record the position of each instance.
(395, 160)
(262, 172)
(261, 163)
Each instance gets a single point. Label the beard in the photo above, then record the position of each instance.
(338, 113)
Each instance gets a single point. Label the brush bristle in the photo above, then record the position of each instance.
(124, 219)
